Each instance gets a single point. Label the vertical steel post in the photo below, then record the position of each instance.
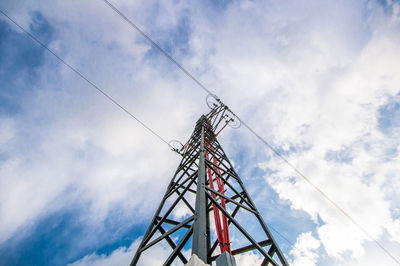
(199, 244)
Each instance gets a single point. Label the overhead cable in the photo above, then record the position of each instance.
(320, 191)
(85, 78)
(133, 25)
(157, 46)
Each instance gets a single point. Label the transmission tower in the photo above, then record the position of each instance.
(207, 203)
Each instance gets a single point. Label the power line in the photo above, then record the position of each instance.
(114, 101)
(84, 78)
(320, 191)
(157, 46)
(250, 129)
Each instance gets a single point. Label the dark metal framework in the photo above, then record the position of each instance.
(204, 185)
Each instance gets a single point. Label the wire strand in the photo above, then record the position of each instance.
(251, 130)
(85, 78)
(320, 191)
(157, 46)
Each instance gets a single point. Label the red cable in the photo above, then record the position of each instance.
(215, 209)
(222, 229)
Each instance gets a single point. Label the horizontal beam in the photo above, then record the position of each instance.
(169, 221)
(245, 249)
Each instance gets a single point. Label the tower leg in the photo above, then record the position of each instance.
(226, 259)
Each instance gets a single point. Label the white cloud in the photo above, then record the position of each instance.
(72, 146)
(315, 76)
(305, 250)
(309, 76)
(248, 258)
(123, 256)
(7, 130)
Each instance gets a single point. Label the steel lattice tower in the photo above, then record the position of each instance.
(206, 187)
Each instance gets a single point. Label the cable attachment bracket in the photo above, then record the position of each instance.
(176, 146)
(215, 104)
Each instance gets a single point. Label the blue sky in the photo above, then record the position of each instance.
(19, 58)
(320, 82)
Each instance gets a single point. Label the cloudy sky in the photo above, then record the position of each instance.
(319, 80)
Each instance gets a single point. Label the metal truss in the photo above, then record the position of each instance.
(206, 190)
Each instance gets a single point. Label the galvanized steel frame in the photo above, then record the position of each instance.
(190, 179)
